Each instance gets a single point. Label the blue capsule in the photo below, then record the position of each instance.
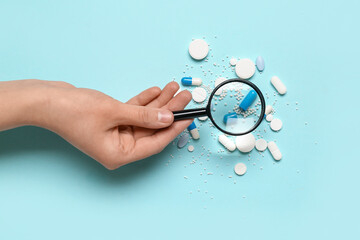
(189, 81)
(229, 115)
(248, 100)
(260, 64)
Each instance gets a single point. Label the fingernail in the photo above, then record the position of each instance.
(165, 116)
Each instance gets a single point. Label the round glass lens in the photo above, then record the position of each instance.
(236, 108)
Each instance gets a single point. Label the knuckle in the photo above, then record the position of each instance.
(144, 116)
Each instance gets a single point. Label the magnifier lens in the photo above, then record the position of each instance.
(236, 108)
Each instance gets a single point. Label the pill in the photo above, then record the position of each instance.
(245, 68)
(245, 143)
(227, 142)
(193, 131)
(248, 100)
(198, 49)
(274, 150)
(276, 124)
(240, 169)
(260, 64)
(190, 81)
(217, 82)
(233, 61)
(261, 145)
(269, 117)
(278, 85)
(229, 115)
(204, 118)
(191, 148)
(268, 109)
(199, 94)
(183, 140)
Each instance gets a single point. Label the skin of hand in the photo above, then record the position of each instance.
(111, 132)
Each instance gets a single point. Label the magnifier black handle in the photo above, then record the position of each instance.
(189, 113)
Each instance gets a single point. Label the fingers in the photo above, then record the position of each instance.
(155, 143)
(166, 95)
(141, 116)
(145, 97)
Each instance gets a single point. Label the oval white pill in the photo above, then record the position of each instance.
(240, 169)
(261, 145)
(227, 142)
(278, 85)
(203, 118)
(276, 124)
(198, 49)
(217, 82)
(191, 148)
(274, 150)
(268, 109)
(245, 68)
(269, 117)
(233, 61)
(199, 94)
(245, 143)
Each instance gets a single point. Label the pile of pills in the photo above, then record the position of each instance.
(245, 69)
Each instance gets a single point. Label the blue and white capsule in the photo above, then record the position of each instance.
(248, 100)
(190, 81)
(193, 131)
(228, 118)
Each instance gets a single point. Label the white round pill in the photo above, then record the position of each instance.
(191, 148)
(269, 117)
(245, 143)
(261, 145)
(217, 82)
(198, 49)
(233, 61)
(199, 94)
(240, 169)
(204, 118)
(245, 68)
(276, 124)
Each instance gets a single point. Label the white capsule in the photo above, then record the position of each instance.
(268, 109)
(245, 143)
(279, 86)
(195, 134)
(227, 142)
(274, 150)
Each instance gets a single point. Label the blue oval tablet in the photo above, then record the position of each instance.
(260, 64)
(183, 140)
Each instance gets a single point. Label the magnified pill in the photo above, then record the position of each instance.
(240, 169)
(260, 64)
(183, 140)
(278, 85)
(229, 115)
(274, 150)
(204, 118)
(198, 49)
(276, 124)
(227, 142)
(245, 143)
(261, 145)
(199, 94)
(245, 68)
(190, 81)
(248, 100)
(193, 131)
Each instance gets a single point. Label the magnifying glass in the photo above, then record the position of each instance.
(236, 107)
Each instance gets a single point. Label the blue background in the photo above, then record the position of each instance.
(50, 190)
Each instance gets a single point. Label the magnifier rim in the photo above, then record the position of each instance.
(262, 99)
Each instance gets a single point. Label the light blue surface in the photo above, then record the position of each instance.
(49, 190)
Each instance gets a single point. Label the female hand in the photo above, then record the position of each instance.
(111, 132)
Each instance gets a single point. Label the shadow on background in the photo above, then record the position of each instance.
(33, 140)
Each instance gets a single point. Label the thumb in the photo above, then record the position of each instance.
(146, 117)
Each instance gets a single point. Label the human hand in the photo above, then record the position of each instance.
(111, 132)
